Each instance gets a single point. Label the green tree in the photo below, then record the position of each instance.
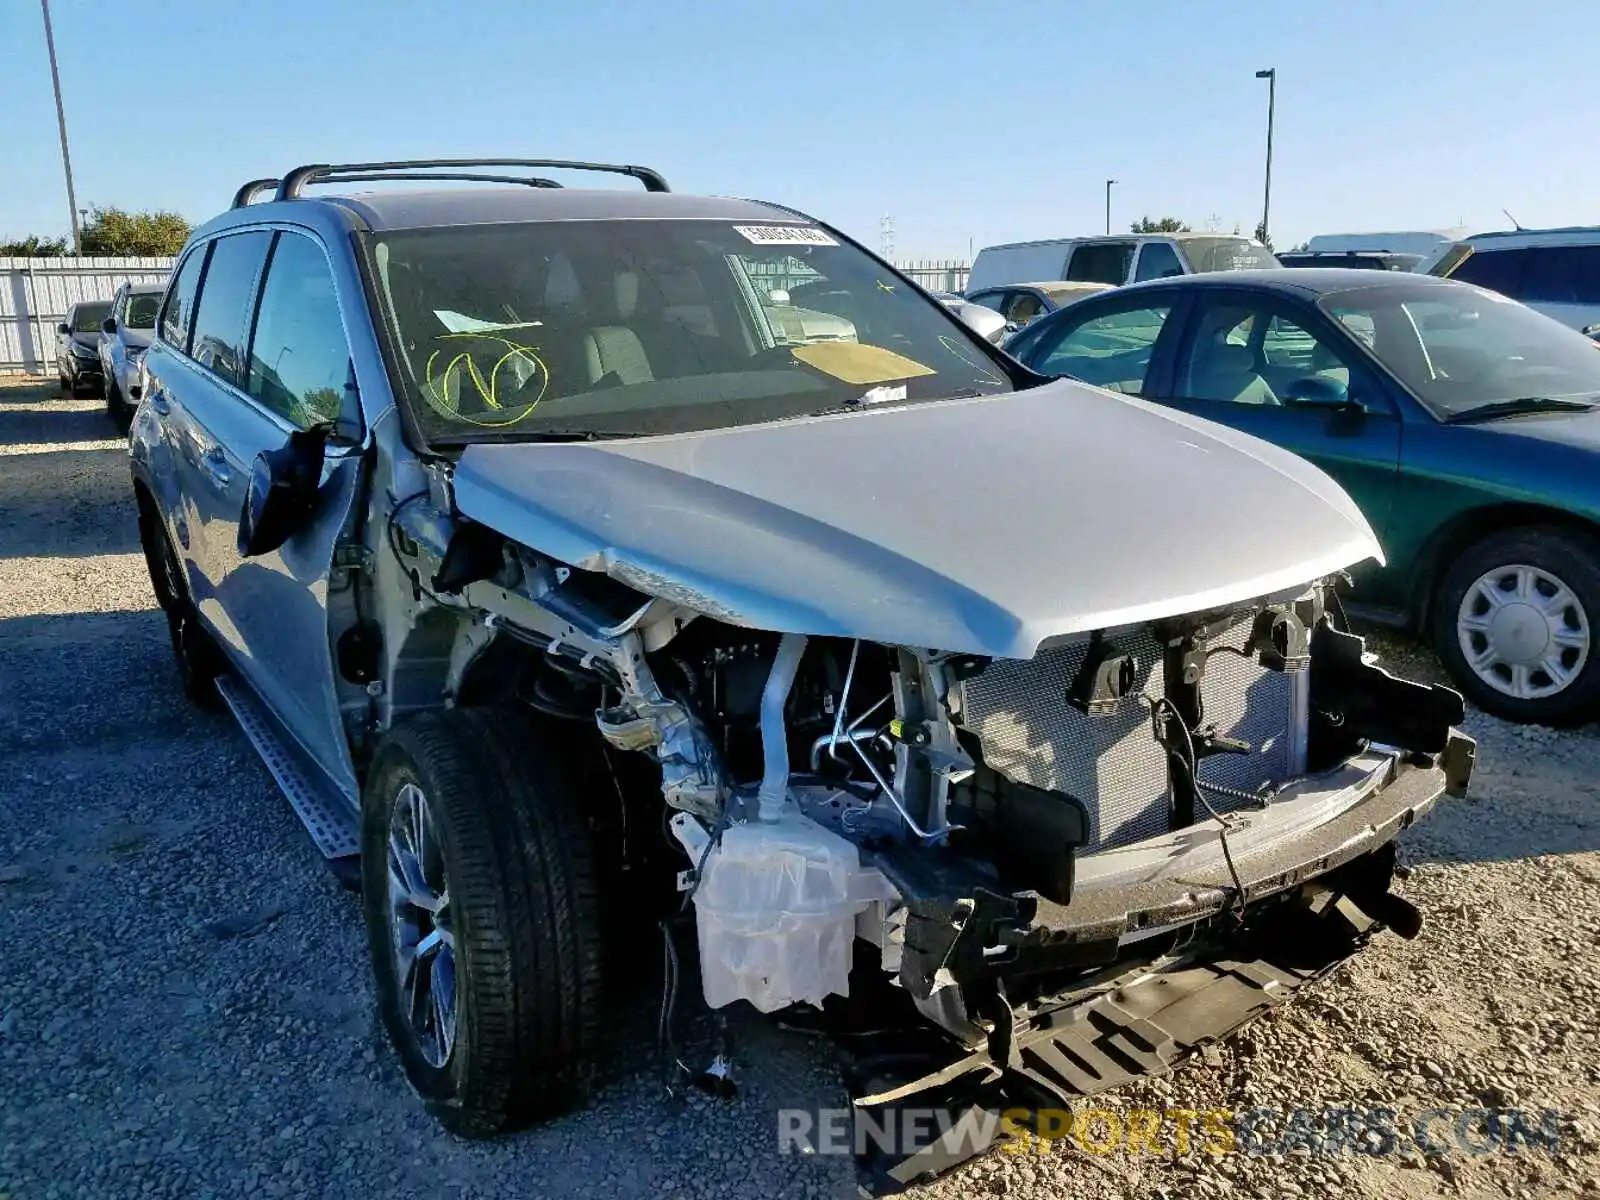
(1164, 225)
(1262, 236)
(34, 246)
(115, 231)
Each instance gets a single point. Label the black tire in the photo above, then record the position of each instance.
(116, 408)
(524, 914)
(62, 384)
(1569, 555)
(198, 660)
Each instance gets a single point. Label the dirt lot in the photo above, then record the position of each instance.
(185, 1009)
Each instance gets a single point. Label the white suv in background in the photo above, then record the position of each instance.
(1556, 271)
(1115, 260)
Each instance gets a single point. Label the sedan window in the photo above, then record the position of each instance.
(1250, 354)
(1112, 351)
(1024, 307)
(1458, 348)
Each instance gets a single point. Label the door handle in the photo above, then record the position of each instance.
(215, 464)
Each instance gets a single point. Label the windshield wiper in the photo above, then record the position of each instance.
(861, 404)
(575, 435)
(1517, 407)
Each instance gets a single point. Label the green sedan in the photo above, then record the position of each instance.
(1463, 423)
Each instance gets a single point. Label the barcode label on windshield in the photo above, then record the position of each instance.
(784, 235)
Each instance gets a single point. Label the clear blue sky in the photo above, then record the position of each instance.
(962, 120)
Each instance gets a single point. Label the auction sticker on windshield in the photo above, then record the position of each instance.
(784, 235)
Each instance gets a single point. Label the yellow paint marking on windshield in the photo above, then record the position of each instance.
(853, 362)
(463, 365)
(950, 344)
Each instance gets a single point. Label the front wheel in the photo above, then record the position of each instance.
(1514, 624)
(478, 886)
(116, 407)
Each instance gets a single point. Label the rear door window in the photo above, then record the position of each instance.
(1111, 351)
(177, 313)
(1560, 275)
(221, 322)
(1101, 262)
(1498, 270)
(299, 358)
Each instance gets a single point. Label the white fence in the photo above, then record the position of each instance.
(938, 275)
(35, 294)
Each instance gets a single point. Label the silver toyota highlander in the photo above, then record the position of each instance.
(561, 548)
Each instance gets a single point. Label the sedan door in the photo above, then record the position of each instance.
(1276, 368)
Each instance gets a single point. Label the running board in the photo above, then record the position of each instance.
(330, 819)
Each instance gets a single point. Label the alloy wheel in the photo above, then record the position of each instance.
(420, 924)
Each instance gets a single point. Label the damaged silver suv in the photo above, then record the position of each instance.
(540, 537)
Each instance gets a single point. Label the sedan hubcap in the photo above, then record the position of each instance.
(420, 923)
(1523, 632)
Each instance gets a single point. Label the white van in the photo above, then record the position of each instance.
(1115, 260)
(1421, 242)
(1556, 271)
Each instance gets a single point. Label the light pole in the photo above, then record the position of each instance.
(1109, 182)
(61, 120)
(1271, 76)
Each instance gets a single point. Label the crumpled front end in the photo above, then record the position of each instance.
(997, 838)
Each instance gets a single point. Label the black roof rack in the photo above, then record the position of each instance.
(297, 179)
(250, 190)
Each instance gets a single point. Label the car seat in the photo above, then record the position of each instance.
(1220, 370)
(613, 353)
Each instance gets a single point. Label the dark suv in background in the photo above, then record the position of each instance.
(78, 348)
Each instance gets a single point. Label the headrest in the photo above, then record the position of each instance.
(627, 292)
(1234, 359)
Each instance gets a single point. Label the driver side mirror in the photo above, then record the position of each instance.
(64, 329)
(1316, 391)
(985, 322)
(282, 492)
(109, 325)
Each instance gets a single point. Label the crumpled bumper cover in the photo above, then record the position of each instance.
(1153, 888)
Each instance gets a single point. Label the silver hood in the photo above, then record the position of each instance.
(983, 526)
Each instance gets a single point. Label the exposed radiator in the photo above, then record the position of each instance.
(1112, 762)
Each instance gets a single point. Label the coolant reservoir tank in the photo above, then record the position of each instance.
(776, 909)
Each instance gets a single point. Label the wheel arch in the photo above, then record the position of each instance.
(1464, 530)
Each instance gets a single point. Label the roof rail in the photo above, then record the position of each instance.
(297, 179)
(250, 190)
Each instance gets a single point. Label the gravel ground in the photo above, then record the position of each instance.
(185, 1008)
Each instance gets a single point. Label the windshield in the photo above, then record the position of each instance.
(86, 318)
(1459, 347)
(1225, 254)
(655, 326)
(142, 308)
